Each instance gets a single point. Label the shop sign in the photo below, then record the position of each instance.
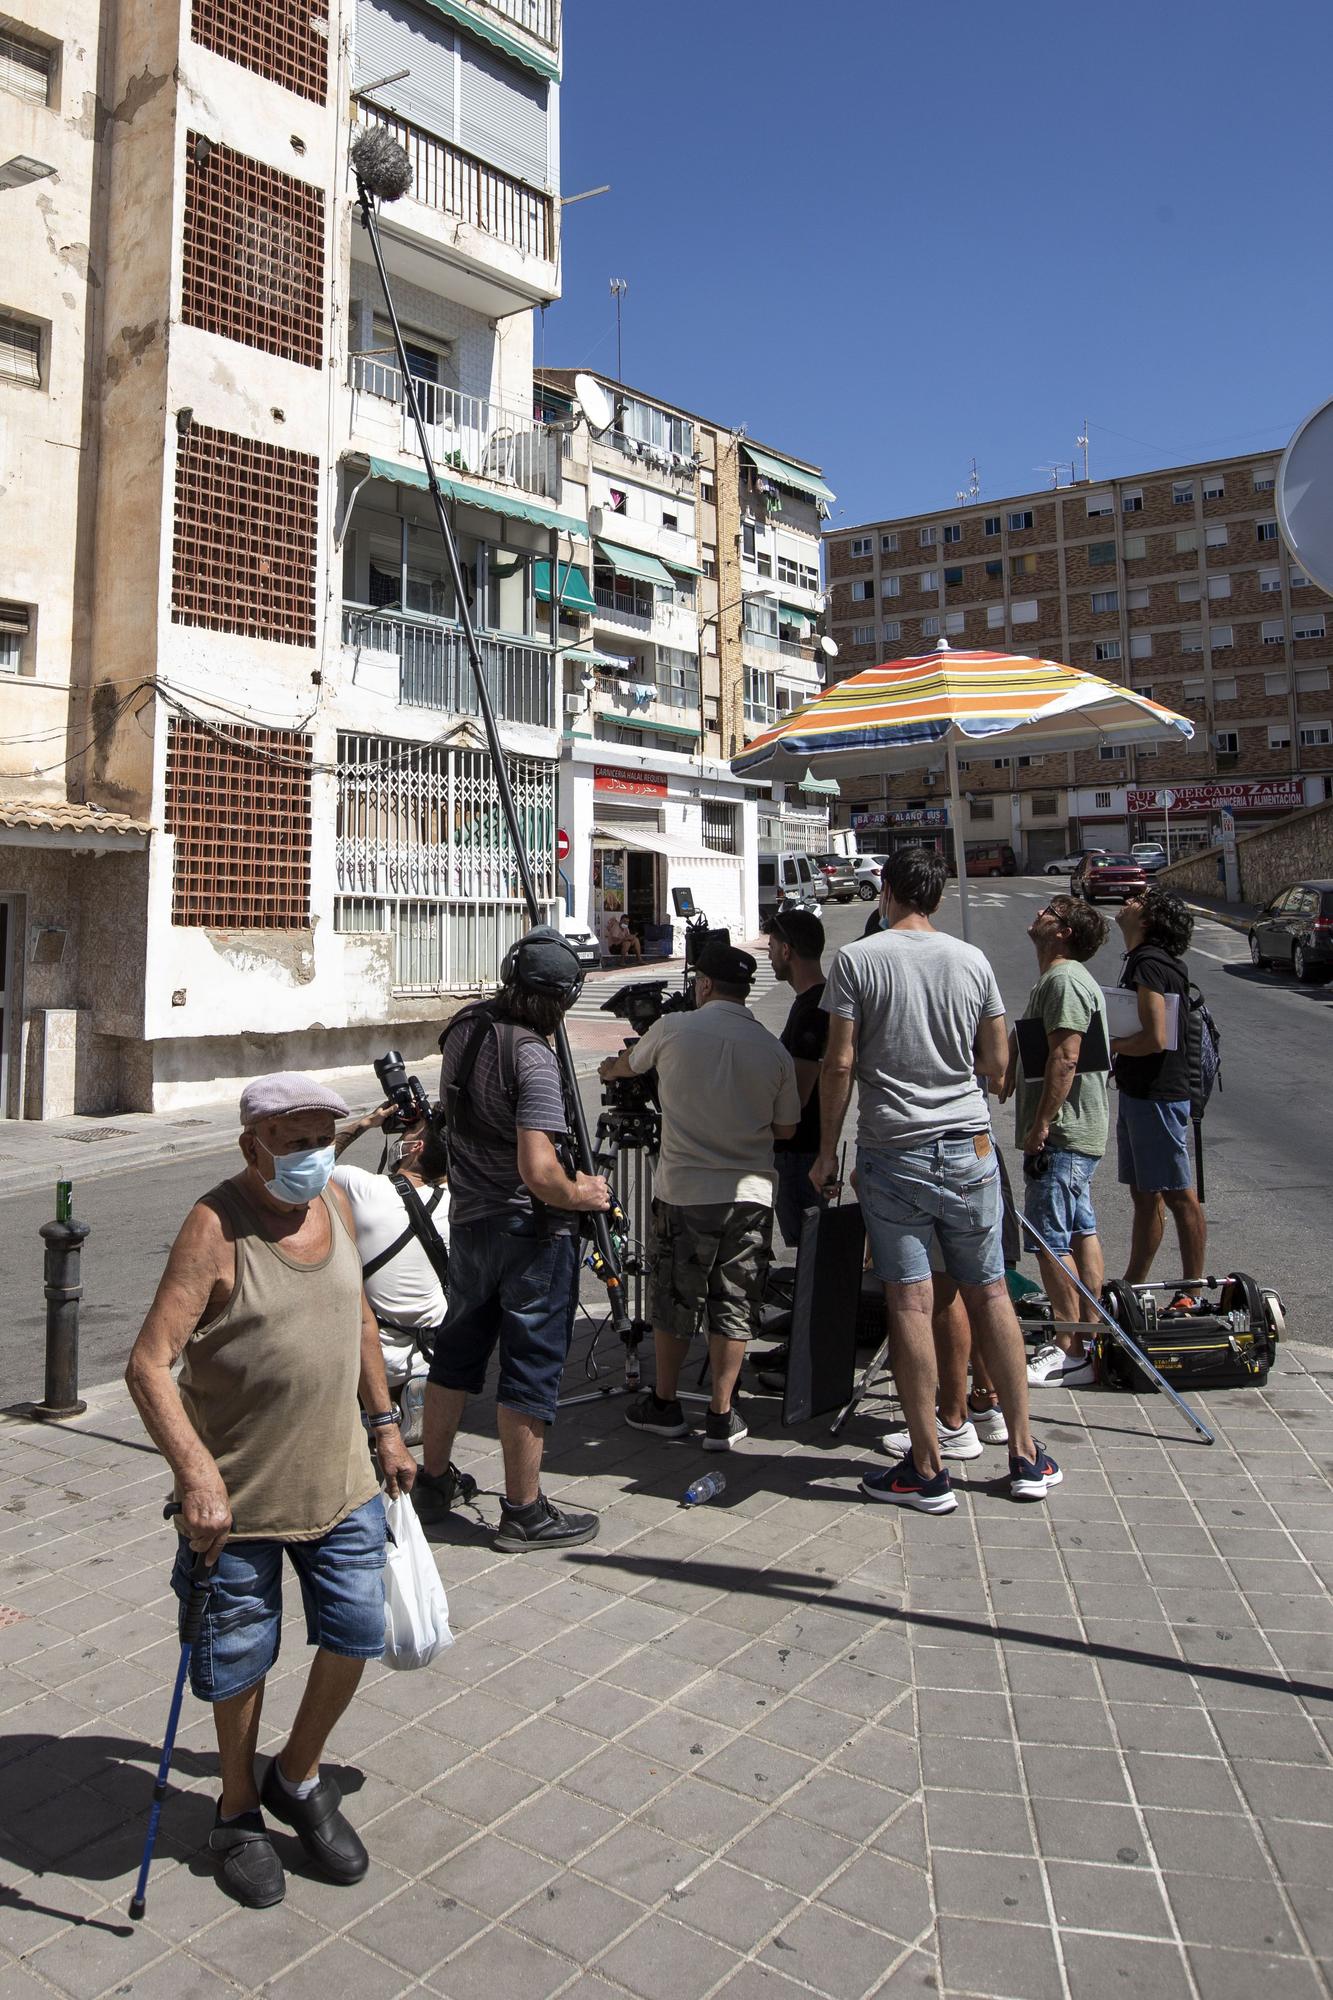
(909, 816)
(640, 784)
(1274, 795)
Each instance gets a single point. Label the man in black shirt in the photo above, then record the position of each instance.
(795, 947)
(1152, 1077)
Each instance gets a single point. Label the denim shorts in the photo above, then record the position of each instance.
(1153, 1144)
(1059, 1202)
(942, 1189)
(517, 1291)
(342, 1587)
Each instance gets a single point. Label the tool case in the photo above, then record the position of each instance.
(1226, 1341)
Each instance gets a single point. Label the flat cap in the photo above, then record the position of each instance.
(726, 962)
(287, 1090)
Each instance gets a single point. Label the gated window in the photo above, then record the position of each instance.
(254, 253)
(244, 551)
(238, 806)
(285, 40)
(720, 826)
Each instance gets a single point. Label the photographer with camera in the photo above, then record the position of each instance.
(727, 1090)
(514, 1268)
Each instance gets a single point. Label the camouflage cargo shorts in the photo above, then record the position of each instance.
(708, 1267)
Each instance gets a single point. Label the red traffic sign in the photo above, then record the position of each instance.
(561, 843)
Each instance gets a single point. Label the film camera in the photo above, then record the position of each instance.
(406, 1093)
(644, 1001)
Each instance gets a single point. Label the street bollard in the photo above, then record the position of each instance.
(64, 1246)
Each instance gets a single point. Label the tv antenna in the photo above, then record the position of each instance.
(1060, 465)
(619, 287)
(1081, 443)
(968, 496)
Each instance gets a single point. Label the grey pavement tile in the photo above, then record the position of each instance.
(802, 1725)
(641, 1862)
(1210, 1844)
(972, 1766)
(1197, 1783)
(877, 1889)
(984, 1957)
(575, 1916)
(652, 1673)
(791, 1851)
(1056, 1772)
(620, 1778)
(544, 1747)
(1314, 1913)
(915, 1977)
(757, 1769)
(844, 1804)
(1234, 1646)
(500, 1961)
(831, 1953)
(252, 1949)
(852, 1690)
(1291, 1738)
(340, 1966)
(45, 1908)
(903, 1838)
(1066, 1675)
(723, 1698)
(1008, 1886)
(665, 1960)
(945, 1712)
(1089, 1898)
(492, 1875)
(980, 1822)
(736, 1908)
(1241, 1975)
(476, 1716)
(670, 1737)
(1066, 1829)
(482, 1789)
(705, 1815)
(416, 1928)
(1208, 1910)
(1127, 1967)
(1302, 1853)
(559, 1824)
(1049, 1719)
(753, 1981)
(703, 1641)
(175, 1977)
(776, 1665)
(974, 1667)
(1141, 1725)
(602, 1709)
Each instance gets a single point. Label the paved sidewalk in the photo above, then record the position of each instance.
(785, 1744)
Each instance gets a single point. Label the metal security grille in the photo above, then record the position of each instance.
(286, 40)
(719, 826)
(243, 557)
(419, 830)
(254, 253)
(238, 806)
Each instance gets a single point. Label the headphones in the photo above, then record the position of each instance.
(513, 971)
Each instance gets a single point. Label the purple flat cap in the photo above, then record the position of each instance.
(287, 1090)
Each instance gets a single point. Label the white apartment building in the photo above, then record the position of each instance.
(246, 817)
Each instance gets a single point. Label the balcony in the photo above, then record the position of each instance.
(538, 18)
(471, 435)
(434, 670)
(626, 607)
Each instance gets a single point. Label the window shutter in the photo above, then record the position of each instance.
(390, 36)
(20, 350)
(502, 115)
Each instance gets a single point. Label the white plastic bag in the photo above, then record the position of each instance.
(416, 1610)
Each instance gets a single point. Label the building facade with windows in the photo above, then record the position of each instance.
(1175, 582)
(246, 815)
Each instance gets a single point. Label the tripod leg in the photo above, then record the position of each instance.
(872, 1368)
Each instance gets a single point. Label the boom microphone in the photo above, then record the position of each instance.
(380, 164)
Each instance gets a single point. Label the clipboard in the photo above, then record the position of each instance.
(1122, 1013)
(1034, 1046)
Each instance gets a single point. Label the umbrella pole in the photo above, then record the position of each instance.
(959, 845)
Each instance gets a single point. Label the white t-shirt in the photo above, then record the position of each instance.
(724, 1083)
(406, 1289)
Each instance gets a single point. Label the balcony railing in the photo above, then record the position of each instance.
(624, 605)
(541, 18)
(434, 670)
(472, 435)
(459, 184)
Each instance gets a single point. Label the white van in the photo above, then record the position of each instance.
(786, 878)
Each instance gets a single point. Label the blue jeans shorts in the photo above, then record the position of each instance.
(1153, 1144)
(517, 1291)
(1059, 1202)
(342, 1587)
(943, 1190)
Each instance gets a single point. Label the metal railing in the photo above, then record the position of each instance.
(541, 18)
(477, 436)
(635, 610)
(459, 184)
(434, 670)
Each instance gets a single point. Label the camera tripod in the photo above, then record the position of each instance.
(625, 1148)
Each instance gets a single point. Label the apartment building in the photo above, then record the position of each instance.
(693, 630)
(1175, 582)
(246, 817)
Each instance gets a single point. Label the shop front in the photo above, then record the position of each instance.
(881, 831)
(1186, 817)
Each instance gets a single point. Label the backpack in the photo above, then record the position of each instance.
(1203, 1047)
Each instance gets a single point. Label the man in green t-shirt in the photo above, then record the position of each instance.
(1062, 1121)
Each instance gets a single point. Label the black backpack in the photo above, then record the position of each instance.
(1203, 1047)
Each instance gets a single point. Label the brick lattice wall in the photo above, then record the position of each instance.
(238, 806)
(254, 253)
(284, 40)
(243, 554)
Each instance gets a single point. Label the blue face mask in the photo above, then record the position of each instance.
(303, 1176)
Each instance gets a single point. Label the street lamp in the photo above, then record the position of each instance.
(22, 170)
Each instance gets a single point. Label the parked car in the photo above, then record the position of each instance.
(1150, 855)
(999, 859)
(839, 876)
(1296, 930)
(581, 941)
(869, 870)
(1069, 862)
(787, 877)
(1099, 875)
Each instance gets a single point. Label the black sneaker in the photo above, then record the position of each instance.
(903, 1486)
(433, 1494)
(721, 1432)
(542, 1526)
(646, 1413)
(248, 1864)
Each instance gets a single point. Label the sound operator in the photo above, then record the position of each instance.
(728, 1089)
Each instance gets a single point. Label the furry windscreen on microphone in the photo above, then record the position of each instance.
(380, 163)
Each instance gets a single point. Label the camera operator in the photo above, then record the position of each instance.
(795, 948)
(403, 1237)
(727, 1090)
(514, 1269)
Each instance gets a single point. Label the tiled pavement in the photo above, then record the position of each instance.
(780, 1745)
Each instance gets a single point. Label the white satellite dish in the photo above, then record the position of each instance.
(829, 648)
(595, 403)
(1305, 496)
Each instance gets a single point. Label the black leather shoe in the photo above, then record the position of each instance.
(319, 1826)
(248, 1864)
(542, 1526)
(433, 1494)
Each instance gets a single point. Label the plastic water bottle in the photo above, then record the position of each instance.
(706, 1488)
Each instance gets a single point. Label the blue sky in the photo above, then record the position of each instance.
(892, 237)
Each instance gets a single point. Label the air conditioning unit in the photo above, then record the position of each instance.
(595, 520)
(574, 704)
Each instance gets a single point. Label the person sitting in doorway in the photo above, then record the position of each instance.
(621, 941)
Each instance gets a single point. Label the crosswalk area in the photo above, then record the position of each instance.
(599, 986)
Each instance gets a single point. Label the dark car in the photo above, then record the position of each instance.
(995, 858)
(1296, 930)
(1099, 875)
(839, 876)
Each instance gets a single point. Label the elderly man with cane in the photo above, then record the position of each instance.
(262, 1304)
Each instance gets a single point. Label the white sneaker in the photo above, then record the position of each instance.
(1051, 1368)
(962, 1443)
(990, 1426)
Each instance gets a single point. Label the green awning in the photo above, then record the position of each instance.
(829, 785)
(656, 728)
(682, 568)
(485, 31)
(792, 614)
(574, 592)
(584, 656)
(783, 473)
(632, 562)
(478, 496)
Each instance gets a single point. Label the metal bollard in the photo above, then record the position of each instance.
(64, 1246)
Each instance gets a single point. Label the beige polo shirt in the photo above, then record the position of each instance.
(724, 1083)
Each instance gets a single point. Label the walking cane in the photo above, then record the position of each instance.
(201, 1583)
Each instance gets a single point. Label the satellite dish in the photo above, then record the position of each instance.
(595, 403)
(1305, 496)
(829, 648)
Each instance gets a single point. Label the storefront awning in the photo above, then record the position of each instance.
(575, 594)
(829, 785)
(480, 496)
(649, 840)
(783, 473)
(633, 562)
(661, 728)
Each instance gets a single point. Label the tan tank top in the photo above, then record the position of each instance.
(271, 1383)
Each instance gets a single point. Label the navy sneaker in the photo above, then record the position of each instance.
(1029, 1478)
(903, 1486)
(648, 1413)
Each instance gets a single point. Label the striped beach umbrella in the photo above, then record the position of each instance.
(914, 713)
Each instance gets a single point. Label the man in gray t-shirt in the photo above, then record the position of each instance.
(915, 1015)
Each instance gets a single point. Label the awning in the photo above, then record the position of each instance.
(633, 562)
(795, 614)
(682, 568)
(783, 473)
(660, 728)
(574, 592)
(648, 840)
(485, 31)
(587, 656)
(78, 828)
(829, 785)
(480, 496)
